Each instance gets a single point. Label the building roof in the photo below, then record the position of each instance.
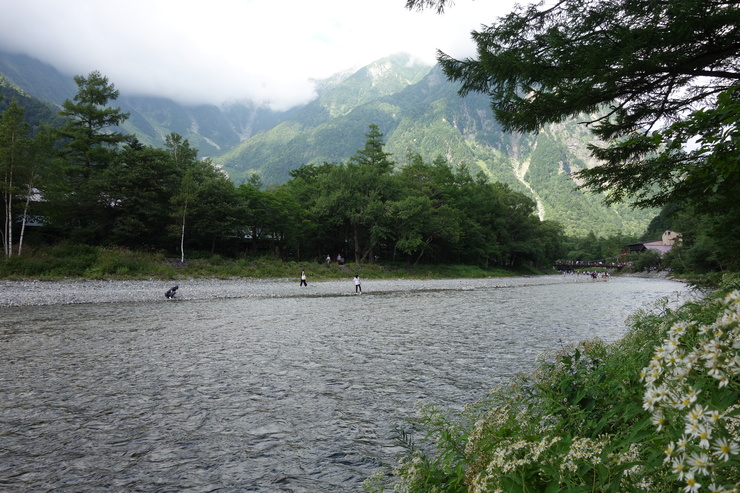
(661, 249)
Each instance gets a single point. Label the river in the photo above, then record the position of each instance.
(295, 393)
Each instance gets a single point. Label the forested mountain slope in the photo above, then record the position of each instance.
(429, 118)
(416, 108)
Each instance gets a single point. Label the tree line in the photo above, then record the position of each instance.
(86, 182)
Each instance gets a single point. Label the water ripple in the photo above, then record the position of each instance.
(272, 393)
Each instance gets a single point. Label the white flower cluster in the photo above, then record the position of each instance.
(508, 456)
(683, 382)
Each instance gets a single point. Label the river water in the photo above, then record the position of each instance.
(283, 393)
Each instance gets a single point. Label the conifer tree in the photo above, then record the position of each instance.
(89, 144)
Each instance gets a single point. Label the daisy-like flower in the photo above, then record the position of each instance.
(704, 434)
(692, 485)
(714, 488)
(677, 330)
(699, 464)
(713, 416)
(724, 448)
(697, 413)
(733, 363)
(680, 468)
(658, 420)
(670, 452)
(672, 344)
(687, 399)
(733, 297)
(682, 443)
(694, 428)
(674, 358)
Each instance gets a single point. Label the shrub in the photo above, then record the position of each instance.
(655, 411)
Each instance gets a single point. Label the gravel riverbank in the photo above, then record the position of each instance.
(20, 293)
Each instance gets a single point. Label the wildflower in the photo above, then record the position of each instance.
(677, 330)
(650, 399)
(692, 486)
(695, 429)
(723, 448)
(714, 416)
(658, 420)
(670, 452)
(700, 431)
(704, 436)
(733, 363)
(682, 443)
(680, 469)
(697, 413)
(700, 463)
(733, 297)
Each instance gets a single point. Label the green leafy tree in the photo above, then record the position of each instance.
(14, 144)
(353, 197)
(24, 160)
(426, 214)
(628, 62)
(254, 215)
(139, 183)
(40, 172)
(215, 214)
(183, 157)
(305, 188)
(205, 204)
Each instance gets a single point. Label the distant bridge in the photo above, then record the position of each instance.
(589, 264)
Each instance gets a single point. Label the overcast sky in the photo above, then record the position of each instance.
(220, 50)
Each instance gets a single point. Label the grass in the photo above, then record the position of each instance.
(66, 261)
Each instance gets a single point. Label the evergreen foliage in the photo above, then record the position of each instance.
(107, 189)
(657, 82)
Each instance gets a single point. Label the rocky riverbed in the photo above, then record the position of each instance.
(19, 293)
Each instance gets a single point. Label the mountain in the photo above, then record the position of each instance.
(414, 105)
(419, 111)
(211, 129)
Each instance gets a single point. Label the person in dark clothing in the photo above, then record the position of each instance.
(170, 294)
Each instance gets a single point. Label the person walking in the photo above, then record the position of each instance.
(358, 285)
(303, 278)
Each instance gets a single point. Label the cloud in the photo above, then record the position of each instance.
(267, 51)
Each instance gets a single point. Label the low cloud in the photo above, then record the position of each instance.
(266, 52)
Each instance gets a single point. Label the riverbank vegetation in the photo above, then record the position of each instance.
(68, 260)
(655, 411)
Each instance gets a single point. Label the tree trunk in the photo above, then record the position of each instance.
(426, 244)
(367, 252)
(8, 232)
(24, 219)
(356, 234)
(182, 236)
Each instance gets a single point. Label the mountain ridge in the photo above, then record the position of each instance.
(415, 106)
